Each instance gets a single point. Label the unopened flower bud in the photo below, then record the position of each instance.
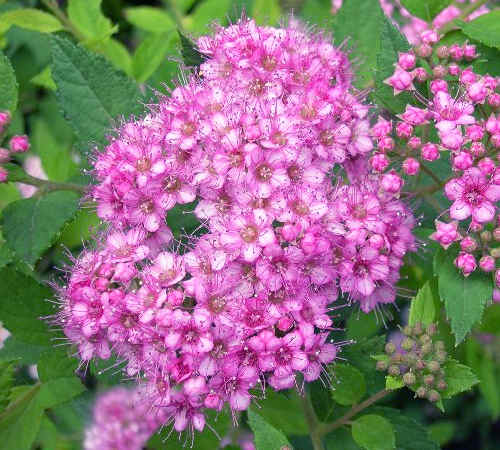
(379, 162)
(391, 182)
(418, 329)
(407, 344)
(433, 396)
(420, 74)
(495, 252)
(433, 366)
(441, 356)
(421, 392)
(390, 348)
(430, 152)
(428, 380)
(494, 100)
(406, 61)
(426, 349)
(411, 166)
(431, 329)
(454, 69)
(442, 52)
(19, 144)
(409, 378)
(487, 263)
(424, 339)
(496, 234)
(456, 52)
(393, 370)
(4, 120)
(396, 358)
(439, 71)
(497, 277)
(470, 52)
(3, 174)
(404, 130)
(468, 244)
(441, 385)
(424, 50)
(4, 155)
(382, 365)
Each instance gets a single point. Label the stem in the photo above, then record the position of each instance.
(328, 428)
(53, 6)
(431, 174)
(466, 12)
(50, 186)
(312, 422)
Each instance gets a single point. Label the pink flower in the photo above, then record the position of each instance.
(473, 195)
(446, 233)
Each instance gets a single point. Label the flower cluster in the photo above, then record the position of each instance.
(461, 111)
(261, 143)
(122, 420)
(17, 144)
(417, 361)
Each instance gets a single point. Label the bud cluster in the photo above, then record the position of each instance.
(17, 144)
(418, 361)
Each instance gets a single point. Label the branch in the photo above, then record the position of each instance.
(312, 422)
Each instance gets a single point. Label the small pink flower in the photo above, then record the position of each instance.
(446, 233)
(19, 144)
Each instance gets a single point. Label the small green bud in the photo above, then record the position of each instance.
(421, 392)
(431, 329)
(433, 366)
(429, 380)
(394, 371)
(407, 344)
(409, 378)
(382, 365)
(426, 349)
(441, 385)
(495, 252)
(417, 329)
(433, 396)
(390, 348)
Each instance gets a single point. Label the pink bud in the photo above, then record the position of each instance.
(497, 277)
(392, 182)
(3, 174)
(477, 149)
(386, 143)
(468, 76)
(289, 232)
(443, 52)
(494, 100)
(456, 52)
(487, 263)
(414, 142)
(475, 132)
(495, 140)
(406, 61)
(381, 128)
(462, 161)
(411, 166)
(477, 91)
(4, 120)
(496, 295)
(492, 125)
(19, 144)
(454, 70)
(404, 130)
(420, 74)
(468, 244)
(439, 71)
(284, 323)
(400, 81)
(470, 52)
(424, 50)
(466, 262)
(429, 36)
(379, 162)
(4, 155)
(486, 166)
(377, 241)
(430, 152)
(439, 86)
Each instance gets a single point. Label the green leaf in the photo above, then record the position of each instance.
(25, 353)
(6, 382)
(44, 79)
(464, 297)
(8, 93)
(491, 320)
(88, 19)
(56, 363)
(8, 193)
(348, 386)
(20, 421)
(340, 439)
(182, 220)
(150, 19)
(293, 422)
(393, 383)
(190, 55)
(150, 54)
(364, 34)
(31, 225)
(116, 52)
(373, 432)
(459, 378)
(410, 434)
(266, 436)
(31, 19)
(24, 302)
(362, 325)
(391, 43)
(91, 92)
(206, 13)
(485, 29)
(424, 307)
(442, 432)
(266, 12)
(6, 255)
(360, 354)
(425, 9)
(54, 151)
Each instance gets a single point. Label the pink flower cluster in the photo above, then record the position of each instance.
(255, 143)
(463, 109)
(122, 420)
(17, 144)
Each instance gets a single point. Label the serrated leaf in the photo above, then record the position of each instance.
(150, 19)
(464, 297)
(31, 225)
(491, 320)
(341, 438)
(363, 32)
(23, 303)
(87, 17)
(442, 432)
(373, 432)
(424, 307)
(190, 54)
(459, 378)
(6, 382)
(485, 29)
(91, 92)
(8, 93)
(23, 352)
(8, 191)
(425, 9)
(393, 383)
(181, 219)
(348, 384)
(266, 436)
(31, 19)
(150, 54)
(20, 421)
(391, 43)
(56, 363)
(410, 434)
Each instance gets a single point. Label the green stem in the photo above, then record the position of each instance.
(431, 174)
(466, 12)
(53, 6)
(46, 186)
(312, 422)
(326, 428)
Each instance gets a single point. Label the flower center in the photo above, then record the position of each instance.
(216, 304)
(268, 63)
(264, 172)
(143, 164)
(326, 138)
(147, 207)
(171, 184)
(249, 234)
